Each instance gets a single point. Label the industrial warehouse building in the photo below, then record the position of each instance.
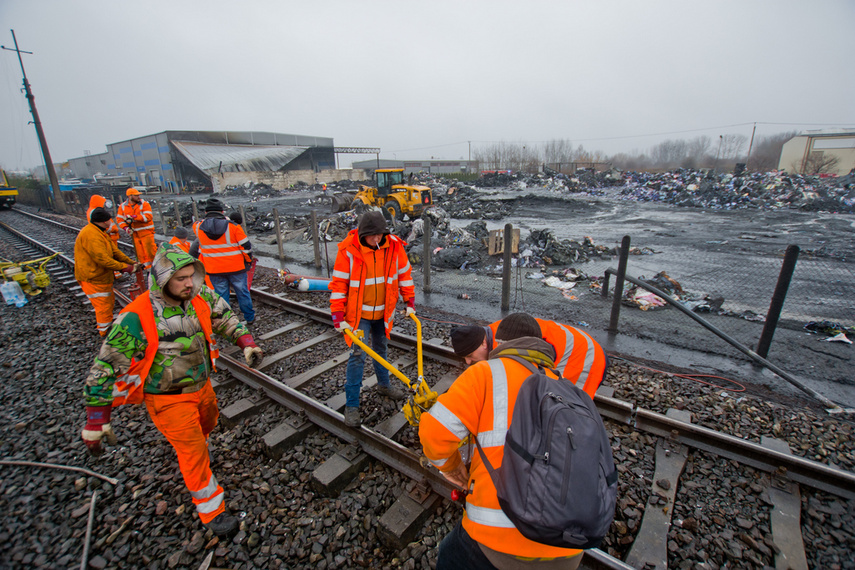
(416, 166)
(814, 152)
(173, 161)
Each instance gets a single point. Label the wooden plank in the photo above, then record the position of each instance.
(650, 549)
(496, 243)
(785, 515)
(270, 360)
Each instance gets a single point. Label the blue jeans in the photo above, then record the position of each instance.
(458, 551)
(238, 283)
(376, 330)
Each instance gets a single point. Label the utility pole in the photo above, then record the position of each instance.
(59, 203)
(720, 140)
(750, 145)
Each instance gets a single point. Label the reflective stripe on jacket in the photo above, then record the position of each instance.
(351, 276)
(224, 254)
(128, 387)
(142, 224)
(481, 401)
(96, 256)
(578, 357)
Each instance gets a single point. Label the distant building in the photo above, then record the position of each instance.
(823, 152)
(416, 166)
(193, 159)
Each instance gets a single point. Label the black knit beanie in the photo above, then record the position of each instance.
(466, 340)
(214, 205)
(518, 325)
(371, 224)
(99, 215)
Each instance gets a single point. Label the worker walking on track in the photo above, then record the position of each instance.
(136, 219)
(161, 351)
(578, 357)
(96, 257)
(481, 402)
(98, 201)
(371, 270)
(222, 246)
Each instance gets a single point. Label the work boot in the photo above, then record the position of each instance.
(351, 416)
(223, 524)
(390, 392)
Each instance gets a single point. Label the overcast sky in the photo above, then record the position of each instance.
(421, 79)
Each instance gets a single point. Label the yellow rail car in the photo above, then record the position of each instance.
(8, 194)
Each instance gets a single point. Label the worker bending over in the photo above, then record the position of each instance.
(578, 357)
(136, 219)
(96, 257)
(371, 270)
(481, 402)
(161, 351)
(222, 246)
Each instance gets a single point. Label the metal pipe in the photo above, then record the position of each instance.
(85, 560)
(619, 278)
(777, 303)
(426, 253)
(506, 268)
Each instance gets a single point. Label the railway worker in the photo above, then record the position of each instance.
(135, 217)
(96, 257)
(179, 239)
(222, 246)
(578, 357)
(371, 270)
(161, 351)
(481, 401)
(98, 201)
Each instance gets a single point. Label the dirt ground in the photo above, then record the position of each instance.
(736, 254)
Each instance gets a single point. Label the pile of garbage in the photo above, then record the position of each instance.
(465, 202)
(769, 190)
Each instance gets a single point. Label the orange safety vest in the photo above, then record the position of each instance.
(127, 389)
(578, 357)
(142, 224)
(481, 401)
(350, 279)
(98, 201)
(224, 254)
(182, 243)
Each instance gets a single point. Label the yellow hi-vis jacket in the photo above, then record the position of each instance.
(578, 357)
(96, 256)
(481, 402)
(354, 272)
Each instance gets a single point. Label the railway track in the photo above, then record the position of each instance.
(685, 488)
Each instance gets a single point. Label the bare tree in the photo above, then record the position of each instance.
(731, 146)
(819, 162)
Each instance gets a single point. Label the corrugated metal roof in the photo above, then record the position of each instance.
(237, 158)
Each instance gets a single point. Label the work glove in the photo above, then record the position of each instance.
(97, 427)
(411, 307)
(130, 268)
(251, 353)
(339, 323)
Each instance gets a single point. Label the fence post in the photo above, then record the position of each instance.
(316, 239)
(195, 212)
(178, 222)
(243, 219)
(162, 219)
(426, 251)
(787, 269)
(621, 273)
(278, 234)
(506, 267)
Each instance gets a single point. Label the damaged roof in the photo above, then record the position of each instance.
(213, 158)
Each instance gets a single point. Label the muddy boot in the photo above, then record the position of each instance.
(390, 392)
(351, 416)
(223, 524)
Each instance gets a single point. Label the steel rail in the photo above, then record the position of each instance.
(799, 469)
(65, 226)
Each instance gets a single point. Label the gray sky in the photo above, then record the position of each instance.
(420, 79)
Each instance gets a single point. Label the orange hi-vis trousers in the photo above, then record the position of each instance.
(186, 420)
(145, 247)
(102, 299)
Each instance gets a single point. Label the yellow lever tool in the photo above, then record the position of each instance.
(422, 397)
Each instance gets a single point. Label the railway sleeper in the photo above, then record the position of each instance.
(785, 516)
(286, 435)
(334, 474)
(403, 522)
(235, 413)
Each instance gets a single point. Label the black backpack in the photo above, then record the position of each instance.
(557, 482)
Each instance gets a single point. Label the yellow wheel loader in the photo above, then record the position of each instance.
(392, 196)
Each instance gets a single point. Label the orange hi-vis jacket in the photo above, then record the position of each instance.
(362, 275)
(142, 224)
(578, 357)
(127, 389)
(224, 254)
(96, 257)
(481, 402)
(182, 243)
(98, 201)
